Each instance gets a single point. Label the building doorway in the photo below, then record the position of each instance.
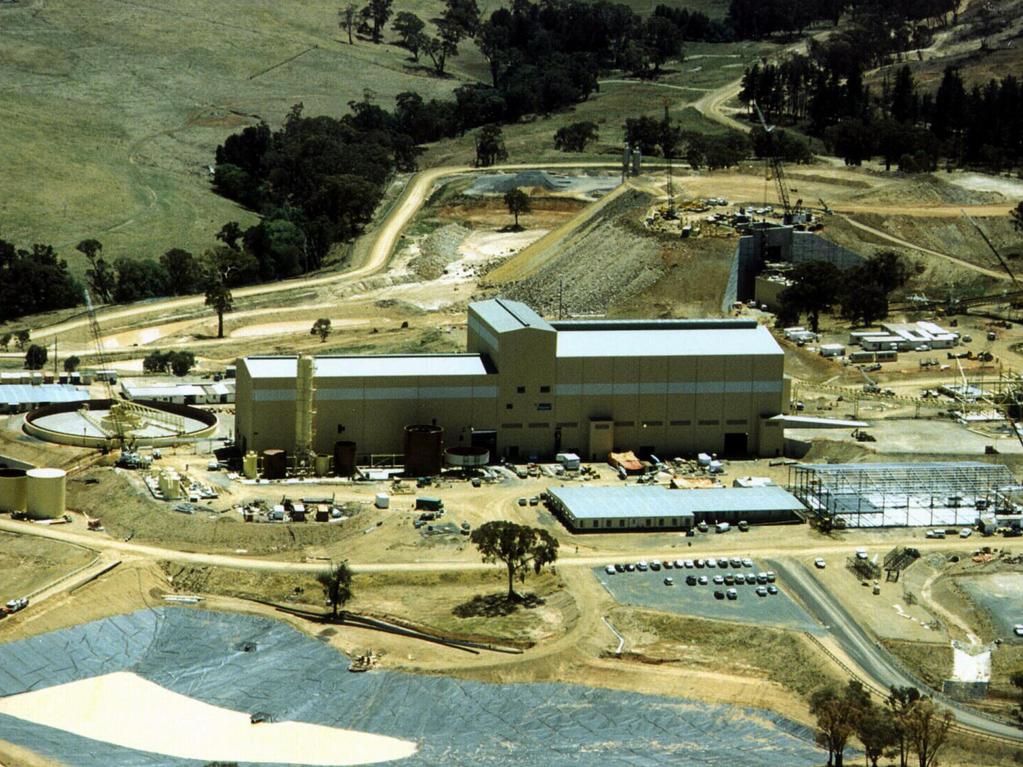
(736, 444)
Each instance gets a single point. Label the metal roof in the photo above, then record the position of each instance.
(16, 394)
(403, 365)
(631, 502)
(669, 342)
(140, 391)
(504, 315)
(809, 422)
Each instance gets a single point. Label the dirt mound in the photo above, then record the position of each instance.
(438, 250)
(926, 190)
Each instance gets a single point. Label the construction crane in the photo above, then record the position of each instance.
(774, 161)
(987, 241)
(668, 153)
(869, 385)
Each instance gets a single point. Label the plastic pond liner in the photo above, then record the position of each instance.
(225, 665)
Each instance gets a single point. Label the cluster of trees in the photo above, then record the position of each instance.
(861, 292)
(826, 97)
(20, 338)
(176, 362)
(700, 150)
(315, 181)
(34, 280)
(907, 724)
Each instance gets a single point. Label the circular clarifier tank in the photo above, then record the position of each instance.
(91, 424)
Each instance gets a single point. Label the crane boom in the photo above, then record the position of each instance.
(777, 171)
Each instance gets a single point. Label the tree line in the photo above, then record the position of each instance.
(907, 724)
(888, 24)
(980, 126)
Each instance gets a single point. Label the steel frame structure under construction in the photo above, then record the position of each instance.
(902, 494)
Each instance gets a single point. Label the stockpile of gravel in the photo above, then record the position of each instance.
(602, 265)
(438, 250)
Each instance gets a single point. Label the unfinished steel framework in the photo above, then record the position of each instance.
(902, 494)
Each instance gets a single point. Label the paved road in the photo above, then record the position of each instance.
(868, 654)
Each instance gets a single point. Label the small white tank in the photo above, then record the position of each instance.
(170, 484)
(250, 465)
(45, 493)
(322, 465)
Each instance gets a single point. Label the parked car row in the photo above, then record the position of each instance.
(679, 564)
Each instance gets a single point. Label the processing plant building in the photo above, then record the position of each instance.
(529, 388)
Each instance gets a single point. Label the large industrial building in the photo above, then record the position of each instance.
(529, 388)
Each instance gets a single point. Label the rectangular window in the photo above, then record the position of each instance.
(543, 406)
(511, 425)
(736, 422)
(602, 427)
(520, 389)
(625, 423)
(509, 406)
(685, 422)
(714, 422)
(568, 424)
(539, 426)
(545, 389)
(652, 423)
(340, 428)
(621, 523)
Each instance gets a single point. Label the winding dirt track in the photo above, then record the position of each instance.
(380, 249)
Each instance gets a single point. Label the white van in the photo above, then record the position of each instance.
(722, 527)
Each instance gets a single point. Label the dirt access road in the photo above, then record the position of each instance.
(378, 252)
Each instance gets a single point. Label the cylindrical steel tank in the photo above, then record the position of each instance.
(13, 484)
(322, 465)
(344, 458)
(44, 496)
(423, 450)
(250, 465)
(467, 457)
(275, 463)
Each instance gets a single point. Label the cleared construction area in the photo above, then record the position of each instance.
(904, 494)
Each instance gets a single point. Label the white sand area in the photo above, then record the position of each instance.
(126, 710)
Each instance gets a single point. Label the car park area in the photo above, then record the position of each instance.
(748, 591)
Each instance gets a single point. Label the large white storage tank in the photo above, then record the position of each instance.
(12, 489)
(45, 493)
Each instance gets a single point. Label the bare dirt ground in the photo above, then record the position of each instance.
(28, 566)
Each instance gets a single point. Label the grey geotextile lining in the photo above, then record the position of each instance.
(252, 664)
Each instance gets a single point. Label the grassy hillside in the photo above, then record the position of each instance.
(112, 109)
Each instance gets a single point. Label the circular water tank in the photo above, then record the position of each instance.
(13, 485)
(467, 457)
(44, 497)
(344, 458)
(423, 450)
(275, 463)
